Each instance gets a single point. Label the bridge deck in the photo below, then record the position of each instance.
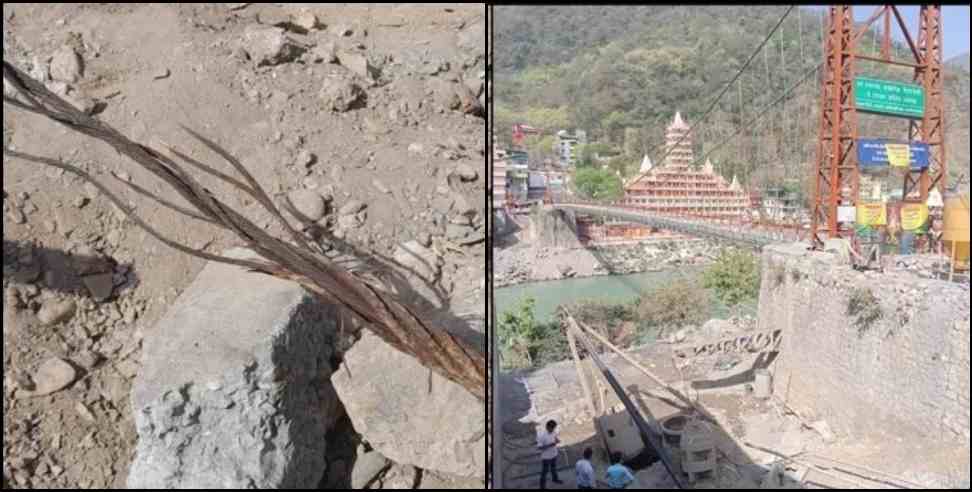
(733, 233)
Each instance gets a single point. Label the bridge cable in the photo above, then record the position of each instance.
(762, 113)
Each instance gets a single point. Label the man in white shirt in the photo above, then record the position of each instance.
(585, 471)
(547, 442)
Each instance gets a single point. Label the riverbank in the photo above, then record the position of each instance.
(526, 263)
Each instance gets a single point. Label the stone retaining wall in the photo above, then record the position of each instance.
(868, 350)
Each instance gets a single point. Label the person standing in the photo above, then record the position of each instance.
(547, 441)
(618, 476)
(585, 471)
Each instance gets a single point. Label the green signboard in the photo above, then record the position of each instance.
(890, 98)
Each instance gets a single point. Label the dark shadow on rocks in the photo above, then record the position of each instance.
(504, 231)
(26, 263)
(518, 454)
(763, 361)
(342, 444)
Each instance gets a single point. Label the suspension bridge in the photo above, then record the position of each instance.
(749, 235)
(832, 158)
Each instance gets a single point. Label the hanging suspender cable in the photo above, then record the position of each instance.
(765, 110)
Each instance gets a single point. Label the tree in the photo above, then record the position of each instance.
(613, 125)
(633, 147)
(541, 147)
(597, 184)
(586, 153)
(624, 165)
(550, 120)
(735, 276)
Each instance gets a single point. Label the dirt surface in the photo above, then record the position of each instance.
(366, 104)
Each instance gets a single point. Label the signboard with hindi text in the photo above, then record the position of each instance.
(914, 217)
(872, 214)
(873, 154)
(889, 98)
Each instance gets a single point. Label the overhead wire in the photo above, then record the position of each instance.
(766, 109)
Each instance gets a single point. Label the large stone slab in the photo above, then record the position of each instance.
(234, 391)
(410, 414)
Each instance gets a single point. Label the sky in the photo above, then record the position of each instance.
(955, 19)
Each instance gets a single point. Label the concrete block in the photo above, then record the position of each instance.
(234, 390)
(410, 414)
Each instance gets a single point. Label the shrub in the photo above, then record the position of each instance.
(527, 343)
(683, 302)
(734, 277)
(516, 329)
(865, 308)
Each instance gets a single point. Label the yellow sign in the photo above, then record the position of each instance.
(872, 214)
(913, 216)
(899, 155)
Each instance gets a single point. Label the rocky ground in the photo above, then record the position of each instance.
(531, 398)
(527, 262)
(356, 114)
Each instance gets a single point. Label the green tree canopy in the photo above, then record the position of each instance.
(597, 184)
(735, 276)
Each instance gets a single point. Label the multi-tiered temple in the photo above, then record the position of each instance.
(676, 188)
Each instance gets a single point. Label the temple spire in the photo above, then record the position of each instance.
(679, 123)
(735, 184)
(646, 165)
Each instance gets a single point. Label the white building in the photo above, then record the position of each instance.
(567, 145)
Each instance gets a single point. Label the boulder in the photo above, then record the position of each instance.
(66, 65)
(55, 311)
(52, 376)
(234, 389)
(359, 64)
(271, 46)
(342, 91)
(445, 93)
(366, 468)
(409, 414)
(306, 205)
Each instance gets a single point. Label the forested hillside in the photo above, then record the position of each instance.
(961, 61)
(621, 73)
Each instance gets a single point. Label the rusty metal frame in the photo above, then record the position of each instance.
(837, 175)
(931, 129)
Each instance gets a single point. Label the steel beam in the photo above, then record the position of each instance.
(650, 440)
(931, 128)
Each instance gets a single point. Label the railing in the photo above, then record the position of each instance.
(737, 230)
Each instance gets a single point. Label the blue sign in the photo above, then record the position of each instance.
(873, 154)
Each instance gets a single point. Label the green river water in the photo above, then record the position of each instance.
(614, 289)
